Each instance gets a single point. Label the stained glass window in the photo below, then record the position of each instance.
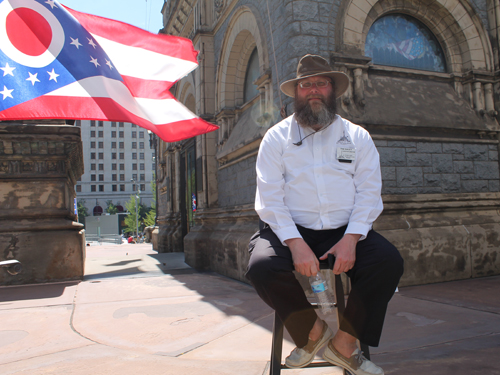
(252, 74)
(400, 40)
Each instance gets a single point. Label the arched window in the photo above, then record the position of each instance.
(402, 41)
(251, 75)
(119, 208)
(97, 211)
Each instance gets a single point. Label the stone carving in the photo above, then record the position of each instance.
(219, 6)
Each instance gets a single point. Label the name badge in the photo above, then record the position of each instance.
(346, 154)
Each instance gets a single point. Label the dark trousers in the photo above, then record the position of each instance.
(374, 279)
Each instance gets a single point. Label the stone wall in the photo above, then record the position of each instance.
(237, 183)
(437, 167)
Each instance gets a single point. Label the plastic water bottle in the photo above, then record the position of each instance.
(323, 297)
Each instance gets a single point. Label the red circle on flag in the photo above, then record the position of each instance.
(28, 31)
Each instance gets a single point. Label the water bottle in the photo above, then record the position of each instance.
(323, 297)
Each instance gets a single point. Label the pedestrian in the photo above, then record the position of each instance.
(318, 193)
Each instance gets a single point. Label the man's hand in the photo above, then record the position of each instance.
(304, 259)
(344, 252)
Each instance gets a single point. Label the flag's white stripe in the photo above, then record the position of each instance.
(145, 64)
(157, 111)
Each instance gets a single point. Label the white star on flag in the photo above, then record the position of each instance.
(76, 43)
(8, 70)
(51, 3)
(33, 78)
(91, 42)
(53, 75)
(94, 61)
(6, 93)
(108, 63)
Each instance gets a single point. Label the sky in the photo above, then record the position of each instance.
(145, 14)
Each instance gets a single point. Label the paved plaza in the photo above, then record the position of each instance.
(140, 312)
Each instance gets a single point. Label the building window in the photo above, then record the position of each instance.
(122, 167)
(92, 167)
(141, 134)
(101, 188)
(92, 133)
(134, 167)
(122, 187)
(141, 156)
(113, 167)
(134, 177)
(101, 167)
(122, 177)
(134, 155)
(92, 144)
(122, 144)
(143, 187)
(97, 211)
(133, 125)
(113, 188)
(92, 155)
(92, 123)
(251, 75)
(101, 134)
(101, 177)
(122, 156)
(113, 144)
(121, 126)
(113, 177)
(134, 144)
(113, 134)
(100, 123)
(113, 155)
(78, 188)
(134, 134)
(92, 177)
(92, 188)
(78, 123)
(143, 177)
(142, 167)
(402, 41)
(121, 134)
(141, 145)
(101, 155)
(101, 144)
(120, 208)
(113, 124)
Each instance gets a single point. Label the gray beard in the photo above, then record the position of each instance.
(318, 117)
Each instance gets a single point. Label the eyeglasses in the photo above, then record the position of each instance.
(318, 84)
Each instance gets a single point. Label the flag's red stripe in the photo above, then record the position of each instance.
(141, 88)
(105, 109)
(120, 32)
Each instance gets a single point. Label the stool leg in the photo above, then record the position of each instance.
(277, 346)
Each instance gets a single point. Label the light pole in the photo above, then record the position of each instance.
(136, 208)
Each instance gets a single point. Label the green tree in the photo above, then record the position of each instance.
(130, 220)
(82, 211)
(150, 218)
(111, 208)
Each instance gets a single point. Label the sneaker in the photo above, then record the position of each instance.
(357, 364)
(300, 357)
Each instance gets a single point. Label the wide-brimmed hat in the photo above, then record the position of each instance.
(314, 65)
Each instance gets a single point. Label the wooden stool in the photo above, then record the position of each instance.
(277, 345)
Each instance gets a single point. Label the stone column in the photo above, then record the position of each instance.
(39, 167)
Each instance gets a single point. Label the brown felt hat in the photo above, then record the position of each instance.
(314, 65)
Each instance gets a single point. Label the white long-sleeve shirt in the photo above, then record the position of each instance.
(308, 185)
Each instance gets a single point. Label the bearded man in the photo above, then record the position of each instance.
(318, 193)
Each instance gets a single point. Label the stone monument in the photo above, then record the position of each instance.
(39, 166)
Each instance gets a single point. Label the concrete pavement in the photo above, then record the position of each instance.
(139, 312)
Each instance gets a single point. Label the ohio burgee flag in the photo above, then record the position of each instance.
(57, 63)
